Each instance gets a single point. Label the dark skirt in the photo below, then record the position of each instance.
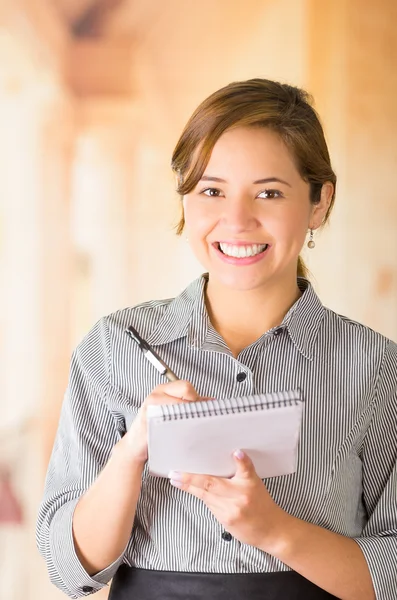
(142, 584)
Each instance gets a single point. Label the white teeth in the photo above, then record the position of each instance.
(242, 251)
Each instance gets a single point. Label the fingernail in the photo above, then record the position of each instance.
(177, 484)
(175, 475)
(239, 454)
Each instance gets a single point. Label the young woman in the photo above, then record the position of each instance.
(254, 174)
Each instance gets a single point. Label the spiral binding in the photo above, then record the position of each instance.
(210, 408)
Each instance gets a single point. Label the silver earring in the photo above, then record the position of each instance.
(311, 243)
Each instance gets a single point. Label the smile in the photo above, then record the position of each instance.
(241, 254)
(241, 251)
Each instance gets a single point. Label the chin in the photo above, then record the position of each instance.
(240, 283)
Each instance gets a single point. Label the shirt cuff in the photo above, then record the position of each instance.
(65, 560)
(379, 552)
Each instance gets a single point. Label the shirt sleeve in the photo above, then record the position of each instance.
(378, 540)
(86, 434)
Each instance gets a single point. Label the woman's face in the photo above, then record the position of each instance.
(248, 216)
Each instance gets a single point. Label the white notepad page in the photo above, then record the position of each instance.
(268, 433)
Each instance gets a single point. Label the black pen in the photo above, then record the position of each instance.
(151, 355)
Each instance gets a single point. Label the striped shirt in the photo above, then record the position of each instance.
(346, 477)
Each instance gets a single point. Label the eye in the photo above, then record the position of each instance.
(271, 194)
(214, 192)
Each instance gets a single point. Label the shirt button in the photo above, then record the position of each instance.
(226, 536)
(278, 331)
(87, 589)
(241, 376)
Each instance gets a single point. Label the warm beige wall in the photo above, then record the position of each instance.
(88, 204)
(37, 137)
(352, 72)
(372, 167)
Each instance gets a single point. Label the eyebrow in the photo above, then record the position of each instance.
(267, 180)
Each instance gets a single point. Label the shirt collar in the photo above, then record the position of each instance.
(186, 315)
(304, 318)
(182, 311)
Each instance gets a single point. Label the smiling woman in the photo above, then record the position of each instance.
(254, 174)
(272, 107)
(246, 223)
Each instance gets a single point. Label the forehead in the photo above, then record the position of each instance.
(251, 150)
(251, 142)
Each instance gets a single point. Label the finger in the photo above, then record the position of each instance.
(244, 466)
(206, 495)
(178, 390)
(217, 504)
(200, 485)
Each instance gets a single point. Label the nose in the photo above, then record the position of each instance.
(238, 215)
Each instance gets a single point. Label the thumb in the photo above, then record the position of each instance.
(244, 465)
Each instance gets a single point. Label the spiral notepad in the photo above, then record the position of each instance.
(200, 437)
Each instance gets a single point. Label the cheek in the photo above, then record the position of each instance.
(288, 225)
(198, 219)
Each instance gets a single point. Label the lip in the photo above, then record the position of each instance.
(240, 262)
(239, 243)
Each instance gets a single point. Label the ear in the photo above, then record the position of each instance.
(319, 210)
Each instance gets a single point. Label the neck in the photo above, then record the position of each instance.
(243, 316)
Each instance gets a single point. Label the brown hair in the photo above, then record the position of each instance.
(283, 108)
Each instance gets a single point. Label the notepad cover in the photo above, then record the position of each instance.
(205, 444)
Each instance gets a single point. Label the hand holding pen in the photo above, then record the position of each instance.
(134, 442)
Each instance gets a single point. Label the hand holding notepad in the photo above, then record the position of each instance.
(200, 437)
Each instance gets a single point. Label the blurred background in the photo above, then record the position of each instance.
(93, 97)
